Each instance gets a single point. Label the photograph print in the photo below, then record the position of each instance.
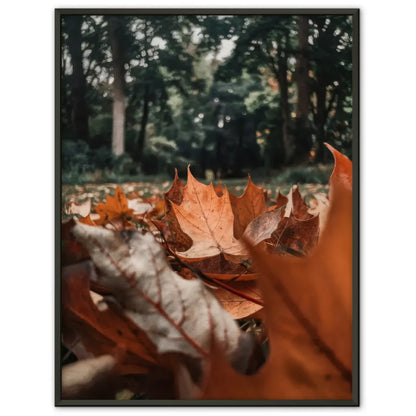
(207, 207)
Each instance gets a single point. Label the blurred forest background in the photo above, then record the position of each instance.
(144, 94)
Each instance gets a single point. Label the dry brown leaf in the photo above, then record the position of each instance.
(247, 207)
(296, 206)
(175, 236)
(301, 236)
(263, 226)
(281, 200)
(175, 192)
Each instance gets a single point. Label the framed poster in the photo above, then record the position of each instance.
(207, 186)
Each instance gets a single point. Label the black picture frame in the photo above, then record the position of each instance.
(355, 13)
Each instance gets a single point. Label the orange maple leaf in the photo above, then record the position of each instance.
(115, 207)
(202, 225)
(208, 219)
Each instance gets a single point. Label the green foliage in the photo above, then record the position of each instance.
(193, 104)
(80, 161)
(109, 176)
(75, 156)
(305, 174)
(162, 155)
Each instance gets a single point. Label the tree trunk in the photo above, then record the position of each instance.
(303, 131)
(146, 101)
(119, 108)
(143, 123)
(79, 114)
(284, 108)
(240, 148)
(320, 119)
(218, 171)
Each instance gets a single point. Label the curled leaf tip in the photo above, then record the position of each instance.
(331, 148)
(342, 172)
(336, 153)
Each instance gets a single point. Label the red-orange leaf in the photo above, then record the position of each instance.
(98, 332)
(308, 307)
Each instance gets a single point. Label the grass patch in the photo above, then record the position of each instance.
(295, 175)
(103, 176)
(305, 174)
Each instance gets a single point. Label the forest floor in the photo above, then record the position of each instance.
(97, 192)
(77, 188)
